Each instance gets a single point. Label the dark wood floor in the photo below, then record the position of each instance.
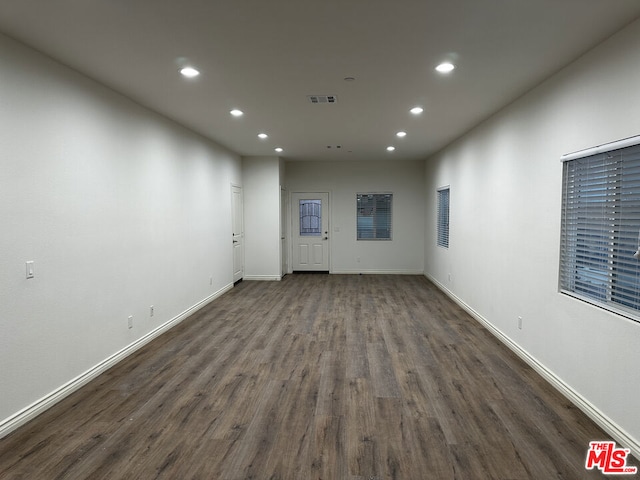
(315, 377)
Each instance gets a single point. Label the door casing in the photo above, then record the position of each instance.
(310, 253)
(237, 232)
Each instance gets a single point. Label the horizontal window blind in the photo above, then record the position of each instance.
(443, 217)
(374, 216)
(601, 229)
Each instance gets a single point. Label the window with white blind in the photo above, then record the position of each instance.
(373, 216)
(443, 217)
(600, 230)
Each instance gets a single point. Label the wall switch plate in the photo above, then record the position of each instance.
(151, 311)
(520, 323)
(30, 269)
(130, 321)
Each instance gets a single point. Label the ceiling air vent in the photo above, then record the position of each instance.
(322, 98)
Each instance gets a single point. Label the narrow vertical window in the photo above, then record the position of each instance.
(373, 216)
(443, 217)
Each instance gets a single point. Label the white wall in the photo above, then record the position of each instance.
(119, 208)
(505, 179)
(343, 180)
(261, 177)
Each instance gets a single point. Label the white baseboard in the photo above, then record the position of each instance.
(604, 422)
(23, 416)
(266, 278)
(377, 272)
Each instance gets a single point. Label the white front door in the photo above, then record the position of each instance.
(310, 236)
(237, 233)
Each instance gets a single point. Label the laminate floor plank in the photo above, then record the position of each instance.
(362, 444)
(383, 375)
(356, 377)
(291, 447)
(394, 444)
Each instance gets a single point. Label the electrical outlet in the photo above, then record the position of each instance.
(210, 280)
(151, 311)
(519, 323)
(130, 321)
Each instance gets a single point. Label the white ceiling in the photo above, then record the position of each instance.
(265, 56)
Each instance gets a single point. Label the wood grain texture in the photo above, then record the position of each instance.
(314, 377)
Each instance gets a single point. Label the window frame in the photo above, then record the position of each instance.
(443, 221)
(600, 227)
(375, 227)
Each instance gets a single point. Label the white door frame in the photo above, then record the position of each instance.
(326, 233)
(284, 232)
(237, 237)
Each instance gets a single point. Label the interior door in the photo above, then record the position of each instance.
(237, 232)
(310, 236)
(284, 257)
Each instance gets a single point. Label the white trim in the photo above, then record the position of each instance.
(607, 147)
(377, 272)
(268, 278)
(595, 414)
(21, 417)
(609, 308)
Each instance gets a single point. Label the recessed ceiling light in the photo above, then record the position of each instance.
(263, 136)
(417, 110)
(189, 72)
(349, 79)
(401, 134)
(390, 148)
(278, 149)
(445, 67)
(236, 113)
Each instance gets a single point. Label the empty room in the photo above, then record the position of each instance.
(346, 239)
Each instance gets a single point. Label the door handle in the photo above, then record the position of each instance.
(326, 238)
(235, 241)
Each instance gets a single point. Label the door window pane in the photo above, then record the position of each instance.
(310, 218)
